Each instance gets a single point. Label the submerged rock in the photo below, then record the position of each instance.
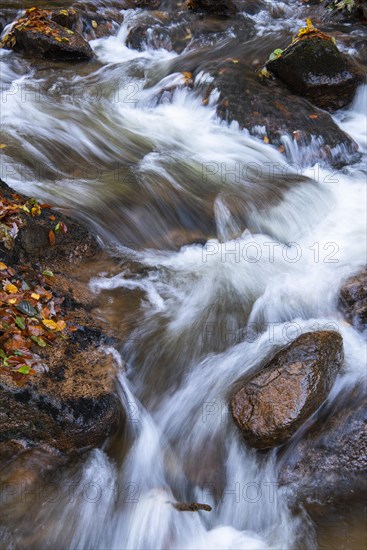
(273, 404)
(38, 35)
(313, 67)
(353, 299)
(223, 8)
(327, 465)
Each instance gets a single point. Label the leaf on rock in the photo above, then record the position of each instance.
(39, 341)
(20, 322)
(26, 307)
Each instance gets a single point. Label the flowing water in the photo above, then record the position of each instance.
(125, 146)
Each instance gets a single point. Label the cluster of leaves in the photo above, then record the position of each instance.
(310, 30)
(11, 220)
(38, 21)
(29, 319)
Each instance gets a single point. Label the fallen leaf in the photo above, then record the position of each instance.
(24, 369)
(35, 296)
(94, 24)
(26, 307)
(313, 116)
(51, 238)
(3, 266)
(49, 324)
(2, 145)
(11, 289)
(266, 139)
(20, 322)
(60, 325)
(39, 341)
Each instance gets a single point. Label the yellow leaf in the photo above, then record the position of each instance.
(94, 24)
(35, 296)
(2, 145)
(11, 289)
(266, 139)
(3, 266)
(12, 301)
(36, 210)
(49, 324)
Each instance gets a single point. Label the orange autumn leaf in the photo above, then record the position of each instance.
(313, 116)
(60, 325)
(51, 238)
(3, 266)
(45, 312)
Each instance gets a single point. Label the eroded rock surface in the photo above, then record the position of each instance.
(273, 404)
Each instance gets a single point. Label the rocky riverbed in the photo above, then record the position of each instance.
(184, 286)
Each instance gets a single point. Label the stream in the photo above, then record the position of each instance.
(225, 249)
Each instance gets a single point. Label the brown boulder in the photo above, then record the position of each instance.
(38, 35)
(313, 67)
(273, 404)
(353, 299)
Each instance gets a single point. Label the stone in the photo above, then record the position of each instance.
(314, 68)
(272, 405)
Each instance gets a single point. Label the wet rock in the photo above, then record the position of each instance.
(271, 406)
(313, 67)
(327, 465)
(223, 8)
(153, 30)
(70, 411)
(269, 111)
(22, 465)
(36, 34)
(353, 299)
